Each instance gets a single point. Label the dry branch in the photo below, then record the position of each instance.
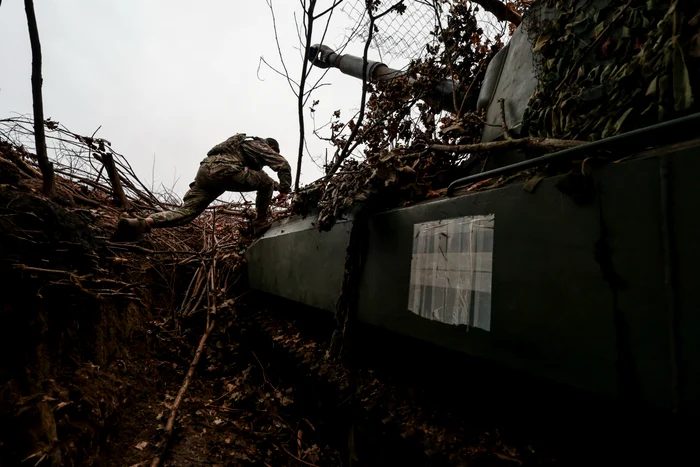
(504, 124)
(140, 249)
(24, 267)
(299, 89)
(295, 457)
(197, 294)
(351, 144)
(86, 201)
(23, 166)
(73, 159)
(546, 144)
(210, 291)
(185, 384)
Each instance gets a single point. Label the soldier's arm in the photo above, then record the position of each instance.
(274, 161)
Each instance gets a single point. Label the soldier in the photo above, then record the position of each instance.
(234, 165)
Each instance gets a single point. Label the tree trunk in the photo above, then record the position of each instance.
(39, 135)
(302, 84)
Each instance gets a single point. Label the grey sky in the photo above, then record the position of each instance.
(169, 79)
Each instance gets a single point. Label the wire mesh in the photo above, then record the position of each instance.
(399, 35)
(406, 35)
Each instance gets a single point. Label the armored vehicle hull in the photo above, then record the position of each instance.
(600, 295)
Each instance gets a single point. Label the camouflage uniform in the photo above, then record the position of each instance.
(234, 165)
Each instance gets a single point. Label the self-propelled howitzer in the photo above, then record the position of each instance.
(598, 292)
(510, 76)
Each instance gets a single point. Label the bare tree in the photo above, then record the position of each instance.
(309, 26)
(40, 137)
(74, 156)
(302, 89)
(351, 144)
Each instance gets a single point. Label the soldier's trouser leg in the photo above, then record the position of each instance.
(196, 201)
(263, 197)
(254, 180)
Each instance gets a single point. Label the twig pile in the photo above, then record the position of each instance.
(209, 284)
(85, 160)
(216, 240)
(91, 172)
(58, 249)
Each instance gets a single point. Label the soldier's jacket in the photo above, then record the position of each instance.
(253, 153)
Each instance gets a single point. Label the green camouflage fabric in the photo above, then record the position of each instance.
(234, 165)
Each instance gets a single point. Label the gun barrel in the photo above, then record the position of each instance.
(443, 95)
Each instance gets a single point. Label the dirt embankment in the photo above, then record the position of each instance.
(97, 337)
(92, 360)
(72, 313)
(75, 318)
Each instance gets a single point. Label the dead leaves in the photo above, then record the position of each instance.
(402, 175)
(542, 41)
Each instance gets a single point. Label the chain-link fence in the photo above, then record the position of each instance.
(406, 35)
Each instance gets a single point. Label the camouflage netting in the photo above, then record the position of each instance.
(402, 176)
(609, 66)
(604, 67)
(395, 166)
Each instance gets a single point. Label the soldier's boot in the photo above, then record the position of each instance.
(129, 230)
(260, 226)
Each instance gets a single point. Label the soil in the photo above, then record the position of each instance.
(232, 413)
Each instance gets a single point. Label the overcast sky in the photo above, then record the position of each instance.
(168, 79)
